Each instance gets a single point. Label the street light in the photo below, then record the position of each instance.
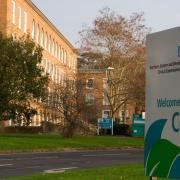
(106, 86)
(108, 69)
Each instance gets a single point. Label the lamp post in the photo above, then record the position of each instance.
(107, 69)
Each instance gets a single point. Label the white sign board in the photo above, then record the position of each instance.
(162, 128)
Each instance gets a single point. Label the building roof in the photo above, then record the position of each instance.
(50, 24)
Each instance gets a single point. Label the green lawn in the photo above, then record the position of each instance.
(29, 142)
(120, 172)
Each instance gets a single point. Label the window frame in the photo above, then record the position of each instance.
(19, 17)
(87, 87)
(42, 38)
(25, 21)
(13, 12)
(106, 110)
(33, 29)
(89, 100)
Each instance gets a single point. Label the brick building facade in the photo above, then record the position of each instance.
(93, 93)
(22, 17)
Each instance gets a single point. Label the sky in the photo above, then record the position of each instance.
(70, 15)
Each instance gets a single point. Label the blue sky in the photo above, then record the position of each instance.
(70, 15)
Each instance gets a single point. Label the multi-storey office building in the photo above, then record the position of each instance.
(20, 17)
(94, 86)
(91, 89)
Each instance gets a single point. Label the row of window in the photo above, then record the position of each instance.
(48, 43)
(54, 71)
(39, 118)
(89, 99)
(40, 36)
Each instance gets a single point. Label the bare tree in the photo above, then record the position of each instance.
(118, 42)
(64, 101)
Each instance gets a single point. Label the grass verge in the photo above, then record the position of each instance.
(118, 172)
(34, 142)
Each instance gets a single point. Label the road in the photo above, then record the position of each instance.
(28, 163)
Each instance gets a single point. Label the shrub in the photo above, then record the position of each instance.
(122, 129)
(22, 129)
(48, 127)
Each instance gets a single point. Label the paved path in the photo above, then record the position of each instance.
(28, 163)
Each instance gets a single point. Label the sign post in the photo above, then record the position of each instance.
(153, 178)
(162, 125)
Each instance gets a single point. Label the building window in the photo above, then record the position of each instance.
(45, 41)
(55, 52)
(49, 97)
(40, 119)
(63, 55)
(25, 22)
(90, 83)
(33, 29)
(89, 99)
(69, 61)
(52, 71)
(57, 74)
(66, 57)
(59, 53)
(52, 47)
(48, 66)
(49, 45)
(59, 77)
(122, 115)
(75, 64)
(42, 38)
(37, 34)
(13, 12)
(19, 17)
(106, 113)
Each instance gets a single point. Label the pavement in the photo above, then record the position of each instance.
(22, 164)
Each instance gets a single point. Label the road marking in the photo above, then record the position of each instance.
(53, 157)
(99, 155)
(1, 165)
(31, 158)
(68, 168)
(32, 167)
(60, 170)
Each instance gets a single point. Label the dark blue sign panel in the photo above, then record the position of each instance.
(105, 123)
